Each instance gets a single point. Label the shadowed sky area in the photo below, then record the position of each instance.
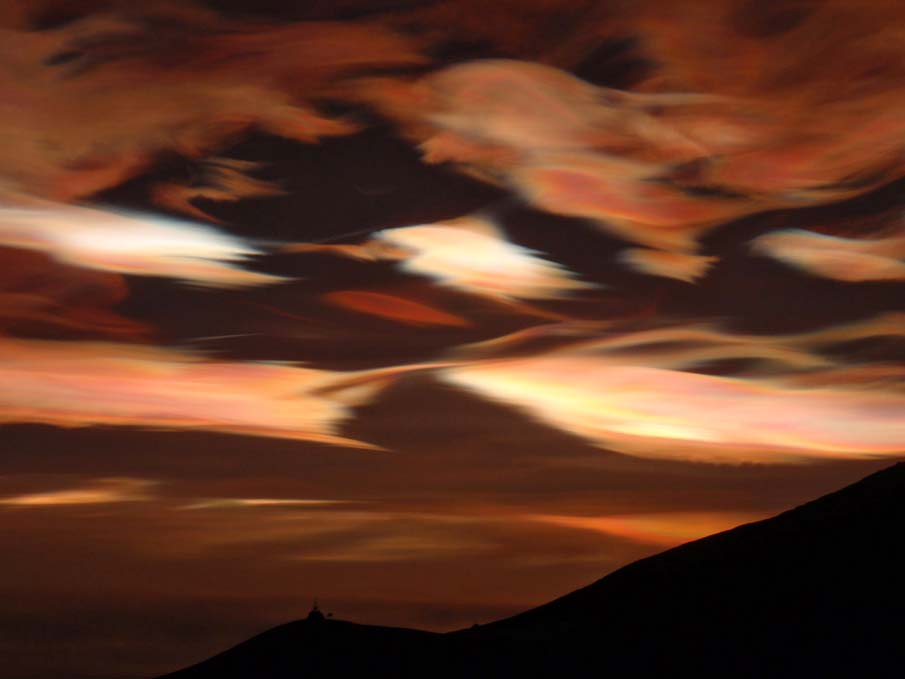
(431, 311)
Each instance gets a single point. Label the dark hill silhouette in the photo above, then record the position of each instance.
(815, 591)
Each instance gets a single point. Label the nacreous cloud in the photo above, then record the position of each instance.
(565, 145)
(678, 265)
(470, 255)
(631, 395)
(852, 260)
(95, 101)
(81, 384)
(130, 243)
(697, 143)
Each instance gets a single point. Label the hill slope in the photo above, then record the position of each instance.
(818, 590)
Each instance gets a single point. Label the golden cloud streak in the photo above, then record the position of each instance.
(664, 529)
(99, 491)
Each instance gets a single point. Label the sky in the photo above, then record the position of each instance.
(430, 311)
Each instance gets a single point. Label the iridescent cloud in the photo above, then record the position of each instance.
(74, 122)
(565, 145)
(638, 394)
(699, 141)
(851, 260)
(130, 243)
(470, 255)
(82, 384)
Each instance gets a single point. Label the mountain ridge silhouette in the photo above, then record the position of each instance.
(814, 591)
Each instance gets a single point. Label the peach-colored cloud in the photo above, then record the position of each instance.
(851, 260)
(831, 125)
(130, 243)
(565, 145)
(678, 265)
(82, 384)
(470, 255)
(98, 491)
(517, 109)
(473, 256)
(630, 206)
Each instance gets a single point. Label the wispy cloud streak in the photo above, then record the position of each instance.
(83, 384)
(852, 260)
(99, 491)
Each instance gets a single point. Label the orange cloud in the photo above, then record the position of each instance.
(99, 491)
(634, 208)
(852, 260)
(700, 141)
(678, 265)
(39, 293)
(565, 145)
(223, 180)
(638, 393)
(74, 122)
(665, 529)
(393, 308)
(246, 502)
(130, 243)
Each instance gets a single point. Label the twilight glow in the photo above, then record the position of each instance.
(431, 311)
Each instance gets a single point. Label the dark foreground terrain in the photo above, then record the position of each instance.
(816, 591)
